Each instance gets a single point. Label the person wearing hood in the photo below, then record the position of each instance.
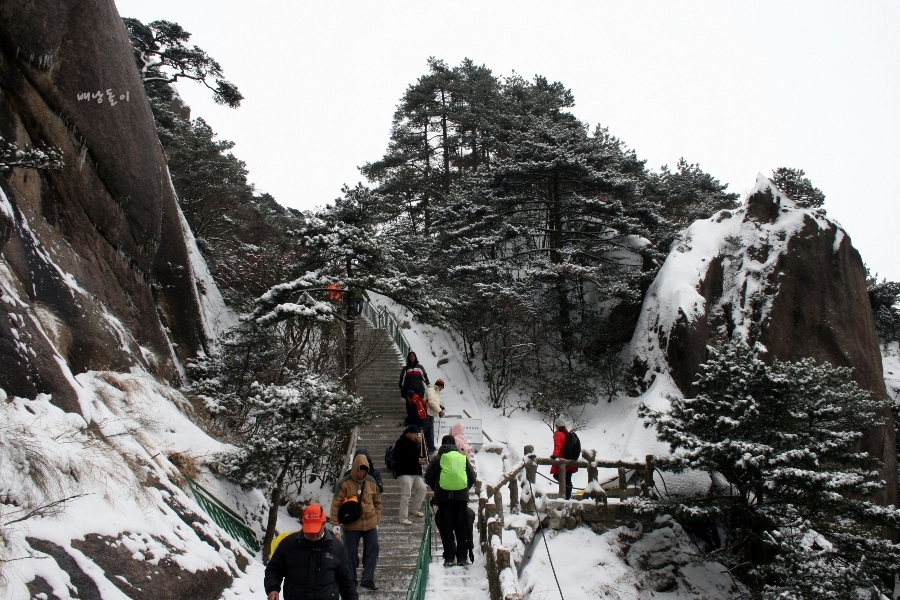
(413, 376)
(360, 487)
(313, 563)
(450, 476)
(458, 432)
(373, 472)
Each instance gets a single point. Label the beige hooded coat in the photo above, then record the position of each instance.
(370, 500)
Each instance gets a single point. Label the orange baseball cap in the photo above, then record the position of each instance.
(313, 519)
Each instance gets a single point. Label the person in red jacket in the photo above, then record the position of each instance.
(559, 443)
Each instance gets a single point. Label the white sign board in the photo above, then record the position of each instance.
(473, 429)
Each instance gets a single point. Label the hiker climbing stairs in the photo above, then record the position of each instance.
(457, 583)
(377, 384)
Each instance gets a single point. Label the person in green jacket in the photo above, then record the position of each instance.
(450, 476)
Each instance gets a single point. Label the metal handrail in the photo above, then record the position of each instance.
(419, 581)
(382, 319)
(223, 516)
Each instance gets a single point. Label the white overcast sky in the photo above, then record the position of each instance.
(739, 87)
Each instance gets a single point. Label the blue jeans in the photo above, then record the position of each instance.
(370, 552)
(428, 429)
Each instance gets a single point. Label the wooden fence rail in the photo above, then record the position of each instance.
(491, 506)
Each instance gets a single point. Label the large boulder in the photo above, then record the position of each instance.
(784, 279)
(97, 271)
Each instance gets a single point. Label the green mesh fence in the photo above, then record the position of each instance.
(382, 319)
(223, 516)
(419, 581)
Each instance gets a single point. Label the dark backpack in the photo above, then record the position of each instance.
(389, 459)
(349, 511)
(572, 449)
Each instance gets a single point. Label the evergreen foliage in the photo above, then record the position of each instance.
(791, 510)
(688, 193)
(32, 158)
(797, 187)
(884, 298)
(163, 57)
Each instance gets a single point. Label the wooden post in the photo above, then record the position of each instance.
(623, 485)
(498, 502)
(593, 472)
(562, 482)
(530, 469)
(514, 495)
(529, 449)
(502, 559)
(648, 475)
(494, 528)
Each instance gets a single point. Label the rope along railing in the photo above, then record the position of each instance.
(419, 581)
(382, 319)
(223, 516)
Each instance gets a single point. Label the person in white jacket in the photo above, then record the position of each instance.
(434, 408)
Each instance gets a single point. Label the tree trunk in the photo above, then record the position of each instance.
(350, 338)
(272, 522)
(556, 242)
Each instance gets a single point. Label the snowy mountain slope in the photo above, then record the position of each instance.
(129, 529)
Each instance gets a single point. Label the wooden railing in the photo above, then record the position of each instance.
(491, 506)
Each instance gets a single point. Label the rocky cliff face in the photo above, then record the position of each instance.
(96, 267)
(104, 296)
(784, 279)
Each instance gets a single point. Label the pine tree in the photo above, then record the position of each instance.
(344, 252)
(288, 428)
(884, 298)
(781, 441)
(797, 187)
(163, 58)
(688, 194)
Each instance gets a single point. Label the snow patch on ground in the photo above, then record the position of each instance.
(119, 479)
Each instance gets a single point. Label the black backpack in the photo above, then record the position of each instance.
(572, 449)
(350, 511)
(389, 459)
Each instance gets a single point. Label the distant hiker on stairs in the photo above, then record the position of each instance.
(408, 459)
(434, 409)
(313, 564)
(413, 376)
(358, 487)
(450, 476)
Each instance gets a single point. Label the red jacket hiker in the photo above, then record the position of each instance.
(559, 442)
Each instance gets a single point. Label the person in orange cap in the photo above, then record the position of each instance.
(313, 563)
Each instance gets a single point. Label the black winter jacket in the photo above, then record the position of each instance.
(413, 377)
(433, 475)
(406, 457)
(311, 570)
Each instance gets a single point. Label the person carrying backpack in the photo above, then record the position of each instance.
(450, 476)
(373, 472)
(564, 440)
(358, 488)
(407, 461)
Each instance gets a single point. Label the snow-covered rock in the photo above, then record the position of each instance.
(781, 278)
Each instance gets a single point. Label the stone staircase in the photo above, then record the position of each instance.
(377, 384)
